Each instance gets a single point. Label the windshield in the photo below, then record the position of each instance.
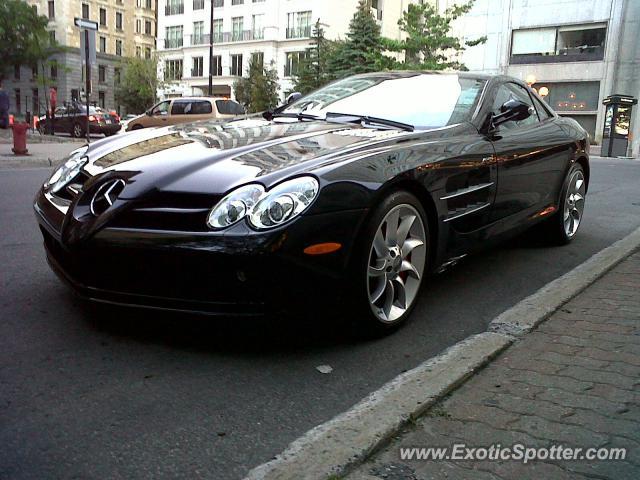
(421, 100)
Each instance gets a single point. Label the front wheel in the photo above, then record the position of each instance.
(77, 131)
(393, 259)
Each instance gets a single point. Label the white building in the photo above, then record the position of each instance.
(581, 50)
(278, 30)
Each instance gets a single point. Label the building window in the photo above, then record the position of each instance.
(258, 1)
(102, 73)
(216, 65)
(85, 11)
(558, 44)
(148, 5)
(217, 31)
(198, 4)
(119, 21)
(18, 100)
(237, 2)
(138, 25)
(197, 69)
(173, 37)
(257, 58)
(34, 73)
(52, 10)
(218, 3)
(198, 33)
(147, 27)
(101, 99)
(147, 52)
(236, 65)
(16, 72)
(103, 17)
(257, 28)
(237, 26)
(173, 69)
(174, 7)
(299, 24)
(138, 51)
(119, 48)
(116, 76)
(35, 102)
(292, 63)
(54, 70)
(103, 44)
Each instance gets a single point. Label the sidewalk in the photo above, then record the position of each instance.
(575, 382)
(40, 154)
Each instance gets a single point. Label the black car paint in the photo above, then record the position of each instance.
(156, 238)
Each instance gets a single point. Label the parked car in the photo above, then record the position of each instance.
(72, 119)
(186, 109)
(348, 197)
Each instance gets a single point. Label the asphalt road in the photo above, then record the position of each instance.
(91, 393)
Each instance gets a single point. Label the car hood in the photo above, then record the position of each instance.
(214, 157)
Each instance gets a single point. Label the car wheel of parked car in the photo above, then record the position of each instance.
(77, 131)
(563, 226)
(391, 262)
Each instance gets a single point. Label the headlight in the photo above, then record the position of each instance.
(235, 206)
(264, 209)
(284, 202)
(68, 170)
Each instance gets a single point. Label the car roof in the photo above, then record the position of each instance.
(410, 73)
(198, 98)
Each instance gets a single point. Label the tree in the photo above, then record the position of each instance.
(21, 31)
(313, 71)
(258, 91)
(138, 84)
(362, 51)
(429, 44)
(42, 56)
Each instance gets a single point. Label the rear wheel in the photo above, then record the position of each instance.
(77, 131)
(392, 262)
(563, 226)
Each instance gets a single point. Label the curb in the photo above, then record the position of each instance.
(336, 447)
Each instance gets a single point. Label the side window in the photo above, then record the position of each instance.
(181, 107)
(229, 107)
(510, 91)
(201, 107)
(161, 109)
(543, 112)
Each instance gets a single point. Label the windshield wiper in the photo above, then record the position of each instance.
(300, 116)
(368, 120)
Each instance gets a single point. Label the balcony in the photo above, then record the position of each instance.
(172, 42)
(175, 9)
(228, 37)
(299, 32)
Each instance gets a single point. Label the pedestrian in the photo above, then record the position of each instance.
(4, 108)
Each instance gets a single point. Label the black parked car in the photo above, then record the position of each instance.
(72, 119)
(349, 196)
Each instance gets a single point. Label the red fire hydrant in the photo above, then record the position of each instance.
(20, 138)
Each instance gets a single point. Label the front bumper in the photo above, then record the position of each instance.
(234, 272)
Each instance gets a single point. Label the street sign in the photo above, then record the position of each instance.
(86, 24)
(92, 46)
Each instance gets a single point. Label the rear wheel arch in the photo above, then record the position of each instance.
(584, 163)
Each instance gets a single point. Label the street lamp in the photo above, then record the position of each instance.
(211, 51)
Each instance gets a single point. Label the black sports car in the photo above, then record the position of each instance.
(351, 194)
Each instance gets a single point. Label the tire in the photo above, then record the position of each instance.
(388, 271)
(77, 131)
(563, 226)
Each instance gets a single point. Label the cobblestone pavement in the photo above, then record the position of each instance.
(575, 381)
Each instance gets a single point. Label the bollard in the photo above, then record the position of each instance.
(19, 130)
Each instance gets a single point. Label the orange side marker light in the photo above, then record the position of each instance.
(322, 248)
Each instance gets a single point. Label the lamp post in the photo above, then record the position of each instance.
(211, 51)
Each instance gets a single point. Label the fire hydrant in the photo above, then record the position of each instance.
(20, 138)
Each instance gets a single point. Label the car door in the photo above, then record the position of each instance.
(532, 155)
(159, 115)
(200, 110)
(180, 111)
(59, 123)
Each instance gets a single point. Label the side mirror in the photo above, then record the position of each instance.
(512, 110)
(293, 97)
(148, 113)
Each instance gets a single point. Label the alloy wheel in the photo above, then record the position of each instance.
(574, 203)
(396, 263)
(77, 130)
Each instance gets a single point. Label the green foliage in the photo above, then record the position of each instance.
(23, 36)
(313, 71)
(362, 51)
(138, 84)
(258, 91)
(429, 44)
